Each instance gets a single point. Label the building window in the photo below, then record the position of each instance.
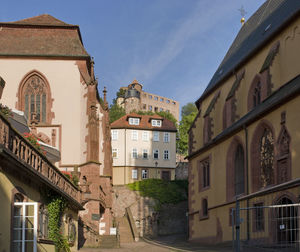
(203, 174)
(239, 171)
(35, 98)
(168, 111)
(134, 174)
(114, 153)
(145, 154)
(207, 129)
(161, 99)
(155, 154)
(43, 222)
(155, 98)
(144, 174)
(155, 136)
(114, 135)
(204, 208)
(161, 109)
(145, 136)
(134, 121)
(259, 217)
(257, 95)
(144, 106)
(150, 108)
(150, 97)
(166, 137)
(155, 109)
(25, 226)
(267, 158)
(134, 153)
(166, 175)
(174, 103)
(167, 101)
(156, 123)
(134, 135)
(71, 230)
(166, 155)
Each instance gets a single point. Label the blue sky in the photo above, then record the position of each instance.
(172, 47)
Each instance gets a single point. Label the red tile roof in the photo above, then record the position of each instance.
(145, 123)
(41, 36)
(44, 19)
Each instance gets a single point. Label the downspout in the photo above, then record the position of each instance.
(125, 153)
(247, 180)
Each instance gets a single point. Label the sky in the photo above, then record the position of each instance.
(172, 47)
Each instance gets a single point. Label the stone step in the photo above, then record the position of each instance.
(125, 230)
(109, 241)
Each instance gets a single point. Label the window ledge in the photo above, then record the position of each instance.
(204, 189)
(201, 218)
(45, 241)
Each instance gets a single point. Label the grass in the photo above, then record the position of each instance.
(165, 192)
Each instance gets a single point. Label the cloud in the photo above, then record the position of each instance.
(202, 19)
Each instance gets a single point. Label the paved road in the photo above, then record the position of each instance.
(162, 244)
(140, 246)
(175, 243)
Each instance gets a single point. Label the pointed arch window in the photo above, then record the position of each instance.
(267, 158)
(35, 98)
(239, 171)
(257, 95)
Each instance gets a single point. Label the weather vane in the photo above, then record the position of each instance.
(243, 13)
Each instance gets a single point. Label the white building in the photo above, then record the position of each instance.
(143, 147)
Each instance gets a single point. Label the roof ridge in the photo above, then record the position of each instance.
(43, 19)
(260, 27)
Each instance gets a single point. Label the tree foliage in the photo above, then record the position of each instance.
(115, 112)
(121, 93)
(188, 112)
(168, 116)
(165, 192)
(188, 109)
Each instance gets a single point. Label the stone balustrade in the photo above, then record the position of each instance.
(22, 150)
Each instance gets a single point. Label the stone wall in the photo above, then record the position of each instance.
(147, 219)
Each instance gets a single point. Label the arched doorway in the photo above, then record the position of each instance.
(286, 221)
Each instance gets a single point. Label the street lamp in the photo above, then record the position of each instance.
(156, 163)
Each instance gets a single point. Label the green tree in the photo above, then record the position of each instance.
(168, 116)
(140, 112)
(188, 109)
(121, 93)
(188, 113)
(115, 112)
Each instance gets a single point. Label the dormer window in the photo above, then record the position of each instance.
(134, 121)
(156, 123)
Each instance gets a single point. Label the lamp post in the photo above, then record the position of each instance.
(156, 163)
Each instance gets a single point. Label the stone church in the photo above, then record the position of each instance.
(244, 143)
(49, 80)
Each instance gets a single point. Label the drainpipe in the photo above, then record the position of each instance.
(247, 179)
(125, 153)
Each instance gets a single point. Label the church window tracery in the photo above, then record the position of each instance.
(35, 98)
(267, 158)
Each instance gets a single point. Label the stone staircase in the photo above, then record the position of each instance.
(109, 241)
(125, 230)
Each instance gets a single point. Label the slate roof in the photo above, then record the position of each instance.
(19, 122)
(145, 123)
(258, 30)
(39, 36)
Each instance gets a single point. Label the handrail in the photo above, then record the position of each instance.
(15, 144)
(132, 224)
